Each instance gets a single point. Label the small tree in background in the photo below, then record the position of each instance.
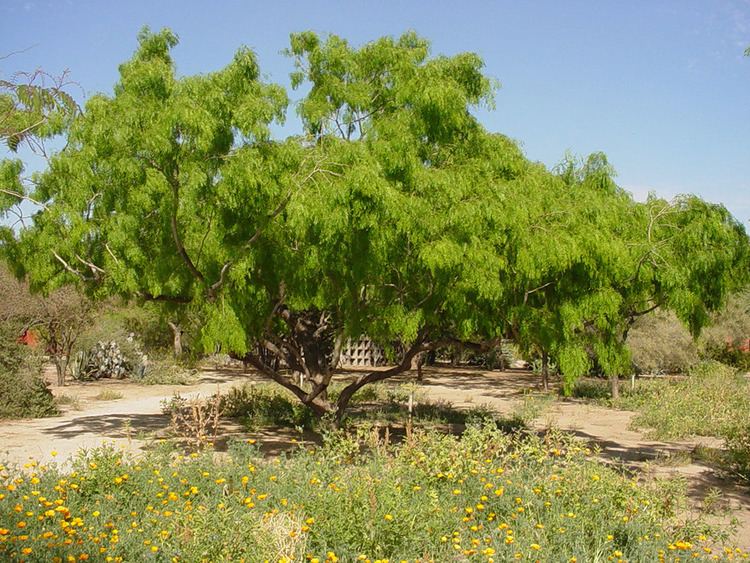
(728, 336)
(660, 343)
(58, 318)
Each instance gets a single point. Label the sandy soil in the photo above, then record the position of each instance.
(134, 421)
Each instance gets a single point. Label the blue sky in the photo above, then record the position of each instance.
(661, 87)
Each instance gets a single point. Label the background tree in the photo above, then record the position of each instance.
(58, 318)
(684, 256)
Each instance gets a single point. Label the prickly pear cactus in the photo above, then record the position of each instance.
(107, 360)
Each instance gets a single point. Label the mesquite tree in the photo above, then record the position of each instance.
(395, 214)
(683, 255)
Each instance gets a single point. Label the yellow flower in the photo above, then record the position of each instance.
(388, 517)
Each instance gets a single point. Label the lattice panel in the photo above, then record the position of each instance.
(361, 352)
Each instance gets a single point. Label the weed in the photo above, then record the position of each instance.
(72, 401)
(195, 420)
(108, 395)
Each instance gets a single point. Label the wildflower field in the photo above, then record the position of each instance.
(484, 496)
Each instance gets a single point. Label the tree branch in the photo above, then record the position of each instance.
(69, 268)
(22, 197)
(175, 184)
(168, 298)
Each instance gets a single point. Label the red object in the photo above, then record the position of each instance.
(29, 338)
(739, 344)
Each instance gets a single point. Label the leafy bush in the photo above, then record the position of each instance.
(483, 496)
(263, 405)
(165, 371)
(22, 388)
(594, 389)
(25, 394)
(738, 446)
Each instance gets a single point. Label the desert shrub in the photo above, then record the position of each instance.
(660, 343)
(22, 388)
(264, 405)
(194, 420)
(729, 329)
(108, 395)
(738, 448)
(25, 394)
(162, 369)
(592, 389)
(484, 495)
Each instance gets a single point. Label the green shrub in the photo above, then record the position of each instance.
(738, 447)
(25, 394)
(263, 405)
(594, 389)
(165, 371)
(22, 389)
(730, 327)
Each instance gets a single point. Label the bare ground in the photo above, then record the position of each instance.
(134, 421)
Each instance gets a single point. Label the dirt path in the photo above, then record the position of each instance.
(132, 421)
(129, 422)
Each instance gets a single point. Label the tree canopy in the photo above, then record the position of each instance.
(395, 214)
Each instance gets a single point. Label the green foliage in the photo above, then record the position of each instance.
(22, 388)
(395, 215)
(163, 370)
(593, 389)
(738, 446)
(34, 105)
(712, 401)
(435, 497)
(25, 394)
(261, 405)
(729, 332)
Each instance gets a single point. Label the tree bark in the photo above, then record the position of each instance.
(417, 362)
(545, 370)
(614, 384)
(177, 342)
(60, 367)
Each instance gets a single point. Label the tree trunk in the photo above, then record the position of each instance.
(545, 370)
(177, 332)
(61, 366)
(348, 392)
(614, 383)
(416, 364)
